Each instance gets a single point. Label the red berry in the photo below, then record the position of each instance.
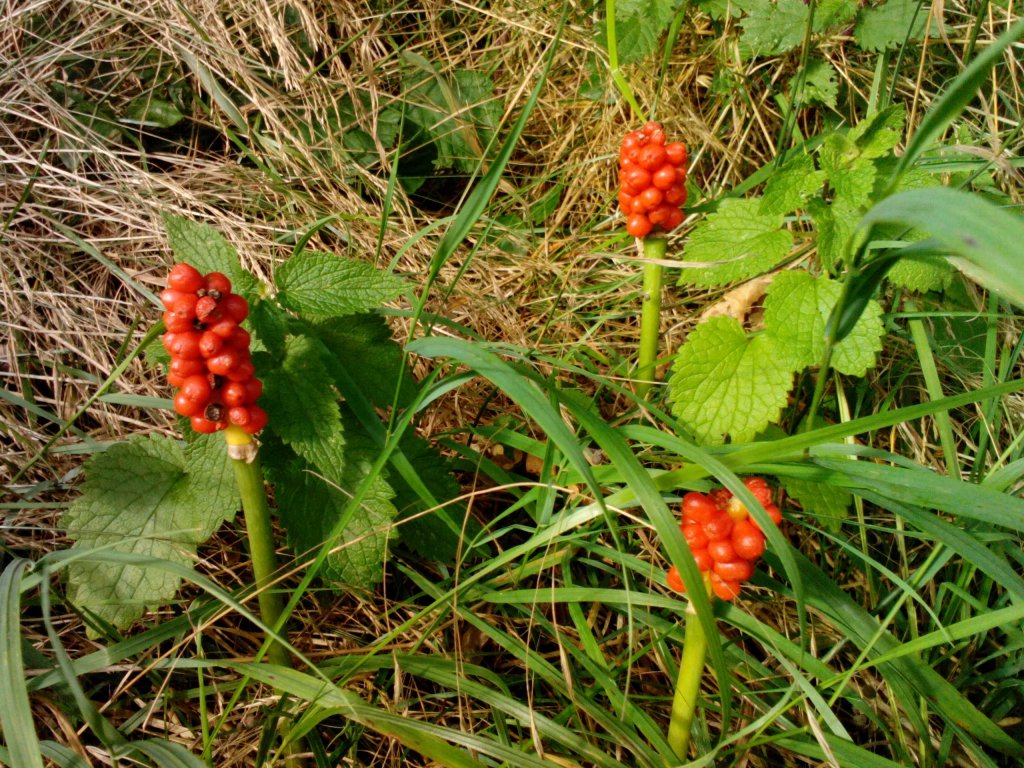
(176, 323)
(235, 394)
(205, 308)
(664, 177)
(185, 367)
(625, 202)
(721, 550)
(201, 424)
(651, 157)
(197, 388)
(651, 197)
(675, 218)
(234, 306)
(222, 327)
(719, 526)
(185, 277)
(637, 205)
(184, 344)
(239, 415)
(216, 282)
(676, 194)
(760, 490)
(177, 300)
(242, 372)
(639, 225)
(675, 580)
(635, 181)
(698, 507)
(734, 570)
(703, 560)
(210, 344)
(676, 152)
(747, 540)
(224, 363)
(695, 536)
(257, 420)
(187, 406)
(724, 590)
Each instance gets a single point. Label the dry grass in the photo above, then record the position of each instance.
(81, 207)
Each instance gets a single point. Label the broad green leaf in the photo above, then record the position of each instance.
(205, 248)
(921, 274)
(820, 85)
(747, 241)
(774, 27)
(790, 186)
(303, 407)
(827, 503)
(269, 325)
(365, 338)
(888, 25)
(145, 496)
(796, 311)
(723, 9)
(835, 224)
(457, 110)
(639, 25)
(726, 384)
(148, 112)
(833, 13)
(876, 135)
(982, 239)
(850, 173)
(322, 285)
(310, 506)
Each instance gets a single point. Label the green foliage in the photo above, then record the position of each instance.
(156, 498)
(829, 504)
(322, 285)
(888, 25)
(820, 84)
(639, 25)
(726, 384)
(773, 27)
(148, 496)
(739, 235)
(796, 310)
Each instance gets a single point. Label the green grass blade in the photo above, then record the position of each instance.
(16, 721)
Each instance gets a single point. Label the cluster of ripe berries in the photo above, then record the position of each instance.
(724, 539)
(652, 175)
(210, 362)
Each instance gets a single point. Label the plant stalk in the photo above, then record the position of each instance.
(691, 669)
(249, 475)
(650, 315)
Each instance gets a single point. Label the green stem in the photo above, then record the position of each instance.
(650, 315)
(613, 61)
(691, 669)
(249, 476)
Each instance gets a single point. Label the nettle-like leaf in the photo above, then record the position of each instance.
(747, 241)
(850, 173)
(833, 13)
(458, 111)
(722, 9)
(322, 285)
(888, 25)
(303, 407)
(790, 186)
(877, 135)
(828, 503)
(836, 224)
(774, 27)
(639, 24)
(725, 384)
(921, 274)
(310, 506)
(796, 310)
(820, 84)
(149, 496)
(205, 248)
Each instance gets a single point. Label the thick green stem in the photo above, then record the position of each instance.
(650, 315)
(249, 476)
(691, 669)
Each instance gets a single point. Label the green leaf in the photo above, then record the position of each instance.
(888, 25)
(303, 407)
(724, 9)
(796, 311)
(833, 13)
(205, 248)
(310, 507)
(829, 504)
(322, 285)
(726, 384)
(749, 242)
(458, 111)
(875, 136)
(269, 324)
(147, 496)
(791, 185)
(773, 28)
(921, 274)
(381, 368)
(820, 85)
(835, 224)
(982, 239)
(639, 25)
(850, 174)
(148, 112)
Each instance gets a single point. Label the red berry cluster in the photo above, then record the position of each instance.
(210, 363)
(724, 539)
(653, 178)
